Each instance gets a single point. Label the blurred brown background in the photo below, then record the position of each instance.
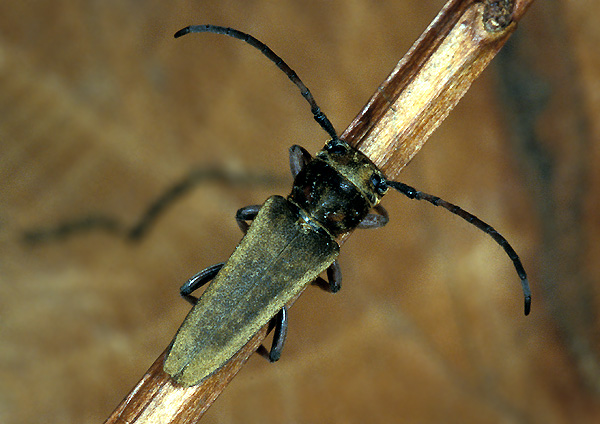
(102, 111)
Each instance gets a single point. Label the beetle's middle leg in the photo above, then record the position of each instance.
(198, 281)
(243, 215)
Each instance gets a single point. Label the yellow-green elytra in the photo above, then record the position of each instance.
(290, 242)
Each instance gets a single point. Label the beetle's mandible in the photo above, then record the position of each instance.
(333, 193)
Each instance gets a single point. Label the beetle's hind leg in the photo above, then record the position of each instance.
(334, 272)
(198, 281)
(280, 322)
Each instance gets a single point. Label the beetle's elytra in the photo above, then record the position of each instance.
(289, 244)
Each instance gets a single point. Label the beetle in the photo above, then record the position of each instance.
(332, 194)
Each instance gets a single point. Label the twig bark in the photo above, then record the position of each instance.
(412, 102)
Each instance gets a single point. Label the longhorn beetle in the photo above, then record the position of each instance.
(290, 242)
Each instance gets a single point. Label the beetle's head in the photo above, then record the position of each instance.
(357, 168)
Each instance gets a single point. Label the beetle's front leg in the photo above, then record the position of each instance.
(280, 321)
(198, 281)
(375, 220)
(299, 157)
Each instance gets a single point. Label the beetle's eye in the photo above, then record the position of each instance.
(379, 184)
(336, 147)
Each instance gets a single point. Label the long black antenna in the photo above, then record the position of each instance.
(319, 116)
(413, 193)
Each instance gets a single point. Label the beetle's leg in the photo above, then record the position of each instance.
(280, 321)
(299, 157)
(375, 220)
(334, 272)
(246, 214)
(198, 281)
(334, 279)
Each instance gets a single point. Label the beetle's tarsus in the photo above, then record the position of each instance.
(198, 281)
(334, 279)
(334, 275)
(281, 326)
(375, 220)
(280, 322)
(243, 215)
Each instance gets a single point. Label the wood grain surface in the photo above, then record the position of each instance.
(101, 111)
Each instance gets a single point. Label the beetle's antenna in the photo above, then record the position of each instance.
(412, 193)
(319, 116)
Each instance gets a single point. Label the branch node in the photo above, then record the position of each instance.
(497, 14)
